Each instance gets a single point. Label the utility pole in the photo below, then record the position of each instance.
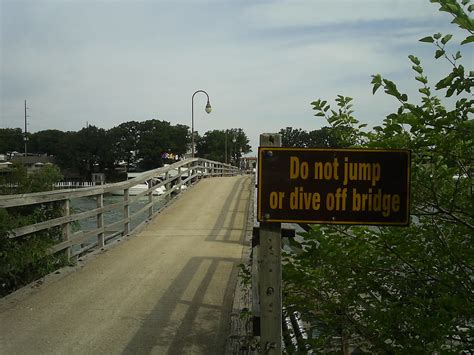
(26, 132)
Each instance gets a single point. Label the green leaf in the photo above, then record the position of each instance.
(425, 91)
(453, 8)
(391, 88)
(437, 35)
(422, 79)
(446, 38)
(450, 91)
(418, 69)
(375, 88)
(457, 56)
(468, 40)
(465, 2)
(414, 59)
(470, 8)
(439, 53)
(392, 116)
(377, 82)
(427, 39)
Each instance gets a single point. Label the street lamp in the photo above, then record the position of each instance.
(208, 110)
(225, 150)
(232, 151)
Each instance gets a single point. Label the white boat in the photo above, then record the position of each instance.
(137, 189)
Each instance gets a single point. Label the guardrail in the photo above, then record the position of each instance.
(173, 178)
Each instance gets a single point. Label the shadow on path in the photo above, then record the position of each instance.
(193, 315)
(178, 325)
(229, 212)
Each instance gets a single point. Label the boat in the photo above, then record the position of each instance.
(137, 189)
(141, 187)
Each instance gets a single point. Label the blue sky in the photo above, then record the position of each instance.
(262, 62)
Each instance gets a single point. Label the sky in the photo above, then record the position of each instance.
(104, 62)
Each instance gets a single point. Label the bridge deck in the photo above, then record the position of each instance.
(167, 290)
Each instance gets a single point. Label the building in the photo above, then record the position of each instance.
(32, 162)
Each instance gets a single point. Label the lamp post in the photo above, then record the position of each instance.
(232, 151)
(208, 110)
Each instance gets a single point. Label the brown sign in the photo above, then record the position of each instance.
(339, 186)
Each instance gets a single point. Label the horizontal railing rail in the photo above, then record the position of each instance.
(157, 187)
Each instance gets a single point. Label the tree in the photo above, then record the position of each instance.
(86, 151)
(19, 181)
(45, 142)
(325, 137)
(25, 259)
(391, 289)
(214, 145)
(11, 139)
(157, 137)
(294, 137)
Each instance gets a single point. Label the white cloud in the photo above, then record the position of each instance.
(298, 13)
(262, 64)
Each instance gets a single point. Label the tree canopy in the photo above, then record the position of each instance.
(319, 138)
(137, 144)
(214, 145)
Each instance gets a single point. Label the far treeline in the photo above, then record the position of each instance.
(139, 145)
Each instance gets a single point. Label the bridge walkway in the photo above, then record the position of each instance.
(166, 290)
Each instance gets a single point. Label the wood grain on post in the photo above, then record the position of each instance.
(269, 262)
(126, 212)
(100, 221)
(66, 212)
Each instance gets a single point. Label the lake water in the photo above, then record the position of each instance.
(84, 204)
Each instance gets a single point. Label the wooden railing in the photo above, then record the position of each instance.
(174, 178)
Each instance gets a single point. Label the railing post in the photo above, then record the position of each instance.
(269, 270)
(126, 212)
(196, 170)
(167, 186)
(150, 200)
(100, 221)
(66, 212)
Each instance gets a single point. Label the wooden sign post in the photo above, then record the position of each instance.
(269, 272)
